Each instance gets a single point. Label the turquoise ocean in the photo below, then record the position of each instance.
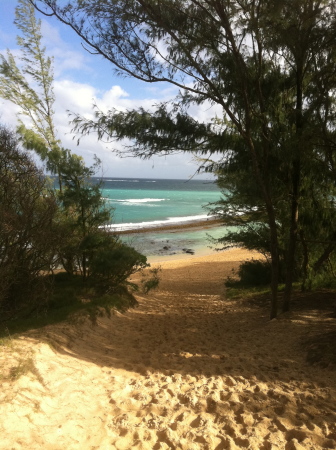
(152, 203)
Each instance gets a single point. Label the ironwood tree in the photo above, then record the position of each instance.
(268, 66)
(27, 81)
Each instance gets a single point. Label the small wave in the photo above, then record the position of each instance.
(158, 223)
(125, 181)
(141, 200)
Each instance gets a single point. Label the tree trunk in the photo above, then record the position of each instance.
(274, 246)
(293, 235)
(274, 261)
(60, 183)
(325, 255)
(296, 182)
(84, 266)
(305, 261)
(274, 281)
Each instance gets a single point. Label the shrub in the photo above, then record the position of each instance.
(151, 279)
(27, 241)
(252, 273)
(113, 262)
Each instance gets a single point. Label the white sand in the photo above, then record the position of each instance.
(187, 369)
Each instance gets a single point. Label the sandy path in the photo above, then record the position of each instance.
(187, 369)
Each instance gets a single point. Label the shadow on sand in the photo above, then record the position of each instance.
(189, 353)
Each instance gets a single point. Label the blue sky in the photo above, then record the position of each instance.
(79, 80)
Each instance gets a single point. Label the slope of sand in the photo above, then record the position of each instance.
(187, 369)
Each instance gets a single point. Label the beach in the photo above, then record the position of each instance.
(189, 368)
(207, 223)
(169, 242)
(163, 217)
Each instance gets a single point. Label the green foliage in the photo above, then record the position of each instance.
(252, 273)
(81, 198)
(72, 300)
(269, 70)
(37, 232)
(41, 228)
(27, 239)
(82, 214)
(113, 262)
(29, 85)
(36, 103)
(72, 296)
(325, 277)
(151, 279)
(241, 206)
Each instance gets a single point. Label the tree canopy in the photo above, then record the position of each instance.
(267, 65)
(29, 85)
(27, 235)
(37, 235)
(43, 227)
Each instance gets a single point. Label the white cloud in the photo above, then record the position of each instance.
(8, 113)
(51, 35)
(65, 57)
(206, 111)
(71, 67)
(79, 98)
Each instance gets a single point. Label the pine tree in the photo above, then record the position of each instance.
(28, 83)
(268, 66)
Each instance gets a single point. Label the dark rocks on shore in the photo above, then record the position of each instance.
(188, 250)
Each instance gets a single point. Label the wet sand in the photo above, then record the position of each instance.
(176, 241)
(187, 369)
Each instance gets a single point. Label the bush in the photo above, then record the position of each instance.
(27, 240)
(36, 234)
(252, 273)
(113, 262)
(151, 279)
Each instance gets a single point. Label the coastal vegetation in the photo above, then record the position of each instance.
(43, 231)
(48, 225)
(270, 73)
(268, 69)
(195, 366)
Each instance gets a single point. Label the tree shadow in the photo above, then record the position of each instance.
(201, 353)
(188, 347)
(206, 334)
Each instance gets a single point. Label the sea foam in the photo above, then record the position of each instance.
(141, 200)
(158, 223)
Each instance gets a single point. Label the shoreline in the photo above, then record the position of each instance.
(175, 241)
(203, 255)
(200, 224)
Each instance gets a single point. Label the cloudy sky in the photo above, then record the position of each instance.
(79, 80)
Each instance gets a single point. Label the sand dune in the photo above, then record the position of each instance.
(187, 369)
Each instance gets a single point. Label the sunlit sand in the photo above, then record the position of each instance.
(187, 369)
